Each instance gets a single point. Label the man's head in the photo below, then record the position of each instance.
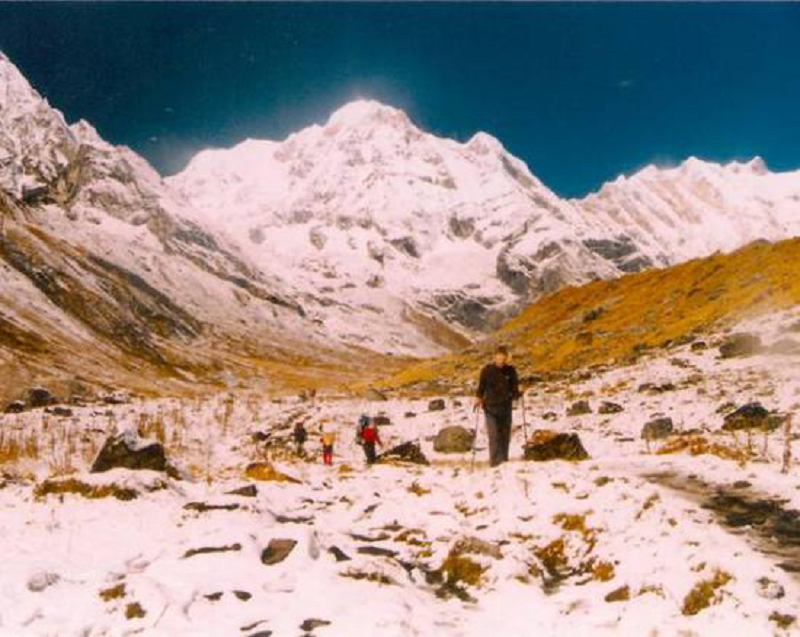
(501, 355)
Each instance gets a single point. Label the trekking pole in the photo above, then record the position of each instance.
(524, 421)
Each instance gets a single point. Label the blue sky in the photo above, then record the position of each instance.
(582, 92)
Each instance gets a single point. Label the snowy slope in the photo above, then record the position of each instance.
(594, 548)
(368, 210)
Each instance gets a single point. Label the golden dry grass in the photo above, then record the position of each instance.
(640, 311)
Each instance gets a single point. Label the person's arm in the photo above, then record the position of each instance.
(481, 389)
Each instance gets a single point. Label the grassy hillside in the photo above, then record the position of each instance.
(617, 320)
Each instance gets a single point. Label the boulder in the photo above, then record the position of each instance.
(405, 452)
(63, 412)
(381, 421)
(277, 551)
(409, 414)
(550, 415)
(310, 624)
(437, 404)
(549, 445)
(698, 346)
(41, 580)
(579, 408)
(248, 491)
(607, 407)
(662, 388)
(657, 428)
(16, 407)
(751, 416)
(129, 451)
(769, 589)
(39, 397)
(455, 439)
(740, 344)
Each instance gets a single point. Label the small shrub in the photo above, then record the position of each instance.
(705, 593)
(603, 571)
(93, 492)
(621, 594)
(378, 578)
(417, 490)
(134, 611)
(115, 592)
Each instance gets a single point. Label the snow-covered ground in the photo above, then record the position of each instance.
(541, 545)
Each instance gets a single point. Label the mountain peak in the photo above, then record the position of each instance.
(367, 111)
(14, 88)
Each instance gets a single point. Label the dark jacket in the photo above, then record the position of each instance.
(498, 387)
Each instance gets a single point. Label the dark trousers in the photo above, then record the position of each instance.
(369, 452)
(498, 429)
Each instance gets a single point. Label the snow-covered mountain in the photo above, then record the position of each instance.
(362, 234)
(373, 215)
(697, 208)
(99, 257)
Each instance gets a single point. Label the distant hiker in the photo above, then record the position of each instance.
(300, 436)
(498, 387)
(369, 438)
(328, 440)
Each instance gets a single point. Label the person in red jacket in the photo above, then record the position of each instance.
(369, 438)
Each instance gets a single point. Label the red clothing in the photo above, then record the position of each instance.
(370, 434)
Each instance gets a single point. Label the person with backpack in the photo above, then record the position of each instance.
(369, 438)
(498, 388)
(328, 439)
(362, 422)
(300, 436)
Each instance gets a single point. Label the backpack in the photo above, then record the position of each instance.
(362, 424)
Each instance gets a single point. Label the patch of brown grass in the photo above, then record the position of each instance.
(115, 592)
(134, 610)
(705, 593)
(621, 594)
(642, 311)
(265, 472)
(697, 445)
(417, 490)
(77, 487)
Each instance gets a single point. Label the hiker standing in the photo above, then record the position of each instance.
(300, 436)
(498, 387)
(328, 440)
(369, 438)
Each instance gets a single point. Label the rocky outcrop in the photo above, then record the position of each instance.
(405, 452)
(547, 445)
(657, 428)
(579, 408)
(277, 551)
(455, 439)
(751, 416)
(129, 451)
(608, 407)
